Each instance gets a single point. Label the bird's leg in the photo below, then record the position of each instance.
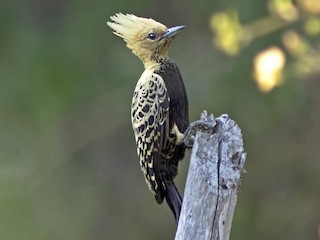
(194, 127)
(206, 123)
(178, 135)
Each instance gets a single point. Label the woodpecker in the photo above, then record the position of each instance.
(159, 110)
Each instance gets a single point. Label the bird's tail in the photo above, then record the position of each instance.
(173, 198)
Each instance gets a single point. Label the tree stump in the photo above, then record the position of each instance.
(213, 181)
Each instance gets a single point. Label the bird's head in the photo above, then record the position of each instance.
(147, 39)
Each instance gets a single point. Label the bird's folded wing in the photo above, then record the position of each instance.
(150, 113)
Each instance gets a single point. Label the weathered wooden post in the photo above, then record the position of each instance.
(213, 181)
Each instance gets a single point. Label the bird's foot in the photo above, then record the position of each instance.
(205, 124)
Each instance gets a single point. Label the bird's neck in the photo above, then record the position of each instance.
(155, 62)
(152, 59)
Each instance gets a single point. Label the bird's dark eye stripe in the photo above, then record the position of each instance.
(152, 36)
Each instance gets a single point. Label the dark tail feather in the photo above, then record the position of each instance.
(173, 198)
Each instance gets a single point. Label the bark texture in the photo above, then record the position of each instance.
(213, 181)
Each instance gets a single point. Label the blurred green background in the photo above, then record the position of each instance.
(68, 164)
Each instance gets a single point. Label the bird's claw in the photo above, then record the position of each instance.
(205, 124)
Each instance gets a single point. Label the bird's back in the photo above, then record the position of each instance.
(178, 108)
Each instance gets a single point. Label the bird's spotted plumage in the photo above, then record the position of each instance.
(149, 115)
(159, 110)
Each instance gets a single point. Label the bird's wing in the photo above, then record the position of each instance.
(150, 121)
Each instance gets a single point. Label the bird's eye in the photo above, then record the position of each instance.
(152, 36)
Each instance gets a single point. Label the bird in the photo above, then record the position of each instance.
(159, 109)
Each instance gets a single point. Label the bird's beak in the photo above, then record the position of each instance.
(171, 32)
